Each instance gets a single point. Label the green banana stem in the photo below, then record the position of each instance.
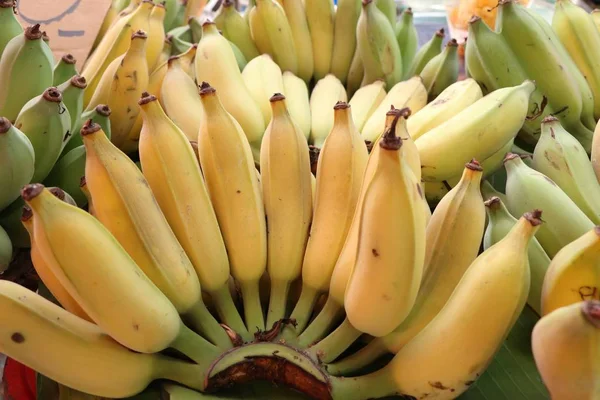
(373, 386)
(228, 313)
(277, 301)
(361, 359)
(336, 343)
(329, 316)
(185, 373)
(302, 312)
(202, 322)
(253, 312)
(195, 347)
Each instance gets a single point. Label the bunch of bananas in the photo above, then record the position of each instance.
(275, 196)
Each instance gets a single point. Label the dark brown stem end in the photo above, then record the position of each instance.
(474, 165)
(82, 182)
(510, 156)
(493, 202)
(390, 141)
(31, 191)
(591, 311)
(58, 193)
(33, 32)
(534, 217)
(277, 97)
(4, 125)
(79, 82)
(146, 98)
(26, 213)
(53, 94)
(90, 127)
(69, 59)
(103, 110)
(549, 118)
(205, 89)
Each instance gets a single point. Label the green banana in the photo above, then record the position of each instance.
(172, 6)
(355, 74)
(408, 40)
(388, 8)
(239, 56)
(378, 47)
(64, 70)
(344, 38)
(527, 189)
(17, 160)
(500, 222)
(67, 173)
(441, 71)
(181, 33)
(100, 115)
(488, 191)
(179, 45)
(47, 123)
(10, 221)
(9, 23)
(235, 29)
(6, 250)
(25, 71)
(72, 91)
(429, 50)
(196, 27)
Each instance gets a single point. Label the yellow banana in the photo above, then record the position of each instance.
(410, 93)
(344, 38)
(297, 101)
(365, 101)
(156, 35)
(237, 200)
(263, 79)
(321, 17)
(296, 16)
(83, 187)
(355, 74)
(164, 55)
(326, 93)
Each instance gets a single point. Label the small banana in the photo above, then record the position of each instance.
(527, 188)
(408, 40)
(388, 8)
(320, 15)
(100, 115)
(355, 74)
(446, 105)
(113, 13)
(297, 101)
(296, 16)
(11, 26)
(344, 38)
(488, 191)
(47, 124)
(17, 158)
(10, 221)
(566, 351)
(326, 93)
(263, 78)
(500, 222)
(595, 156)
(410, 93)
(72, 92)
(172, 8)
(236, 29)
(64, 69)
(156, 35)
(67, 172)
(429, 50)
(442, 70)
(165, 54)
(25, 70)
(6, 250)
(365, 101)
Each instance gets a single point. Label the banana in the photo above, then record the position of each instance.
(124, 203)
(447, 104)
(442, 70)
(435, 191)
(326, 93)
(236, 29)
(355, 74)
(296, 16)
(114, 44)
(320, 15)
(216, 65)
(344, 38)
(181, 39)
(408, 40)
(478, 131)
(365, 101)
(64, 70)
(239, 56)
(84, 189)
(287, 195)
(342, 163)
(116, 7)
(561, 157)
(432, 48)
(500, 222)
(67, 172)
(179, 95)
(378, 47)
(100, 115)
(276, 38)
(6, 250)
(453, 237)
(72, 92)
(573, 274)
(17, 159)
(263, 78)
(527, 188)
(297, 102)
(164, 56)
(410, 93)
(595, 155)
(171, 7)
(156, 35)
(388, 8)
(25, 70)
(566, 351)
(47, 124)
(10, 25)
(488, 191)
(10, 221)
(121, 86)
(237, 201)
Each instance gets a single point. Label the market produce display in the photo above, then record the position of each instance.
(299, 194)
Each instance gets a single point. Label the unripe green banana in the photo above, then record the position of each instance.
(236, 29)
(11, 26)
(344, 37)
(172, 6)
(326, 93)
(47, 123)
(355, 74)
(320, 16)
(500, 222)
(297, 101)
(429, 50)
(6, 250)
(527, 188)
(67, 173)
(17, 161)
(408, 40)
(263, 78)
(441, 71)
(181, 39)
(296, 16)
(239, 56)
(72, 91)
(100, 115)
(378, 47)
(388, 8)
(561, 157)
(196, 28)
(25, 71)
(10, 221)
(64, 70)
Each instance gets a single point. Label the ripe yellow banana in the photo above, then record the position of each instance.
(216, 64)
(365, 101)
(567, 352)
(410, 93)
(83, 187)
(320, 15)
(344, 38)
(478, 131)
(296, 16)
(326, 93)
(121, 86)
(450, 102)
(237, 200)
(297, 101)
(573, 274)
(263, 79)
(156, 35)
(124, 203)
(287, 194)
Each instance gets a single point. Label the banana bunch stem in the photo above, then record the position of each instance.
(277, 302)
(322, 324)
(336, 343)
(228, 312)
(252, 307)
(195, 347)
(202, 321)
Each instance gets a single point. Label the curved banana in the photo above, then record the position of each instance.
(100, 115)
(365, 101)
(112, 15)
(297, 101)
(156, 35)
(64, 69)
(296, 16)
(355, 74)
(442, 70)
(388, 8)
(236, 29)
(263, 79)
(320, 15)
(344, 38)
(11, 26)
(72, 92)
(237, 201)
(17, 160)
(432, 48)
(326, 93)
(408, 40)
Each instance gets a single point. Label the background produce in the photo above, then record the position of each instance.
(300, 194)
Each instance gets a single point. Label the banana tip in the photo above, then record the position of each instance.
(139, 35)
(52, 94)
(5, 125)
(492, 202)
(31, 191)
(549, 119)
(33, 32)
(474, 19)
(390, 141)
(341, 105)
(82, 182)
(510, 156)
(26, 213)
(146, 98)
(79, 82)
(277, 97)
(69, 59)
(89, 127)
(591, 310)
(103, 110)
(441, 33)
(366, 2)
(474, 165)
(7, 4)
(205, 89)
(208, 22)
(534, 217)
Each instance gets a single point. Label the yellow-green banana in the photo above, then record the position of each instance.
(408, 40)
(263, 79)
(72, 92)
(344, 38)
(236, 29)
(429, 50)
(442, 70)
(11, 26)
(17, 158)
(326, 93)
(297, 101)
(365, 101)
(355, 74)
(6, 250)
(156, 35)
(320, 16)
(67, 172)
(100, 115)
(296, 16)
(64, 69)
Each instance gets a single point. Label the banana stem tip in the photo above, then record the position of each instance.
(31, 191)
(5, 125)
(89, 127)
(534, 217)
(591, 310)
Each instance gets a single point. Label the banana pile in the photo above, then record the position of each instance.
(299, 194)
